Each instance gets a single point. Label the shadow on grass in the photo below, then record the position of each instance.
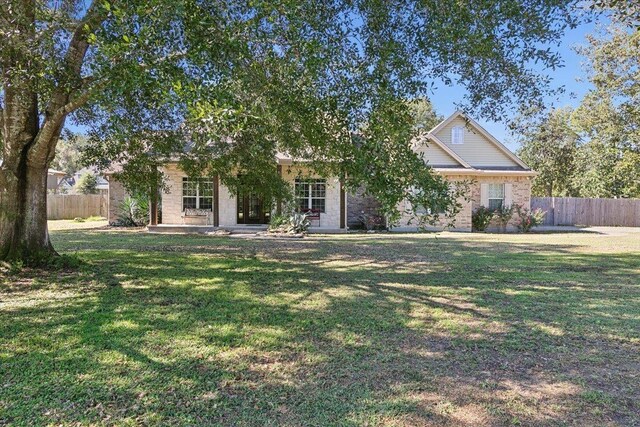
(201, 330)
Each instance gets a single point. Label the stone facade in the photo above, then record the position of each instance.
(358, 204)
(172, 197)
(331, 217)
(227, 203)
(117, 194)
(520, 195)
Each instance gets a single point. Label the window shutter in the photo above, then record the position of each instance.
(508, 200)
(484, 195)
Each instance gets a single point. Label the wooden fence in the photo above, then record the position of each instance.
(577, 211)
(69, 206)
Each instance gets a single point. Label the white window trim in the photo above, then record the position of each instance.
(502, 199)
(454, 131)
(197, 196)
(310, 197)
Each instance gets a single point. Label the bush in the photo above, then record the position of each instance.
(279, 223)
(503, 215)
(134, 212)
(299, 223)
(528, 219)
(87, 184)
(371, 222)
(296, 223)
(480, 218)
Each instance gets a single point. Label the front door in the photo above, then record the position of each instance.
(252, 210)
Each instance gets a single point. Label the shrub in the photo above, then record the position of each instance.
(528, 219)
(371, 222)
(87, 184)
(503, 215)
(279, 223)
(134, 212)
(480, 218)
(296, 223)
(299, 223)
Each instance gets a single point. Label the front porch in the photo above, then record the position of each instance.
(204, 204)
(233, 229)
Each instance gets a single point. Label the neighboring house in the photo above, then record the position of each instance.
(102, 186)
(54, 179)
(458, 149)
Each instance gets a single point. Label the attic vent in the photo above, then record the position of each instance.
(457, 135)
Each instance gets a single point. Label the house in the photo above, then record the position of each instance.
(102, 185)
(458, 148)
(54, 179)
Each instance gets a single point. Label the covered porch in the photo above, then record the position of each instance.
(237, 229)
(202, 205)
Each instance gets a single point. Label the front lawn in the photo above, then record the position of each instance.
(449, 329)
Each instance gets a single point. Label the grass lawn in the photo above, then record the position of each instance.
(449, 329)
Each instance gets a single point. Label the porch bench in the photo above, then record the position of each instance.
(196, 215)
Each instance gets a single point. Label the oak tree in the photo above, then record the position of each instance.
(235, 82)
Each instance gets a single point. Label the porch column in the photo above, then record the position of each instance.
(153, 202)
(342, 206)
(216, 201)
(279, 202)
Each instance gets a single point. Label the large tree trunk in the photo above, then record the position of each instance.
(23, 214)
(29, 135)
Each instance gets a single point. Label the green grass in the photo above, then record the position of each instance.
(449, 329)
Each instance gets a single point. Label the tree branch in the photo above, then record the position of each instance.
(61, 104)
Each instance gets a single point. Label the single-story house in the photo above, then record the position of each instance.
(458, 149)
(54, 179)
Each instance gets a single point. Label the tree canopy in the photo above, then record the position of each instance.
(594, 150)
(549, 145)
(87, 183)
(238, 81)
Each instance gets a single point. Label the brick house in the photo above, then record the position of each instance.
(458, 149)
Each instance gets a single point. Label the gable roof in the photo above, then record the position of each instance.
(448, 150)
(482, 131)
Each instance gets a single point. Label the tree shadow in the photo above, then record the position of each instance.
(201, 330)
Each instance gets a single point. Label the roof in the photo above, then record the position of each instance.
(56, 172)
(430, 137)
(490, 138)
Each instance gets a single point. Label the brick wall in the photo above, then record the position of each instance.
(520, 194)
(462, 221)
(358, 204)
(117, 194)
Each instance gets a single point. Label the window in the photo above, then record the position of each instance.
(197, 193)
(495, 196)
(311, 194)
(457, 135)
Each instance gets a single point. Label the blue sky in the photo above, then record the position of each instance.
(445, 98)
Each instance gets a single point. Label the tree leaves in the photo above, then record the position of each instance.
(239, 82)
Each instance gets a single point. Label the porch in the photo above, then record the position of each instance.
(233, 229)
(202, 205)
